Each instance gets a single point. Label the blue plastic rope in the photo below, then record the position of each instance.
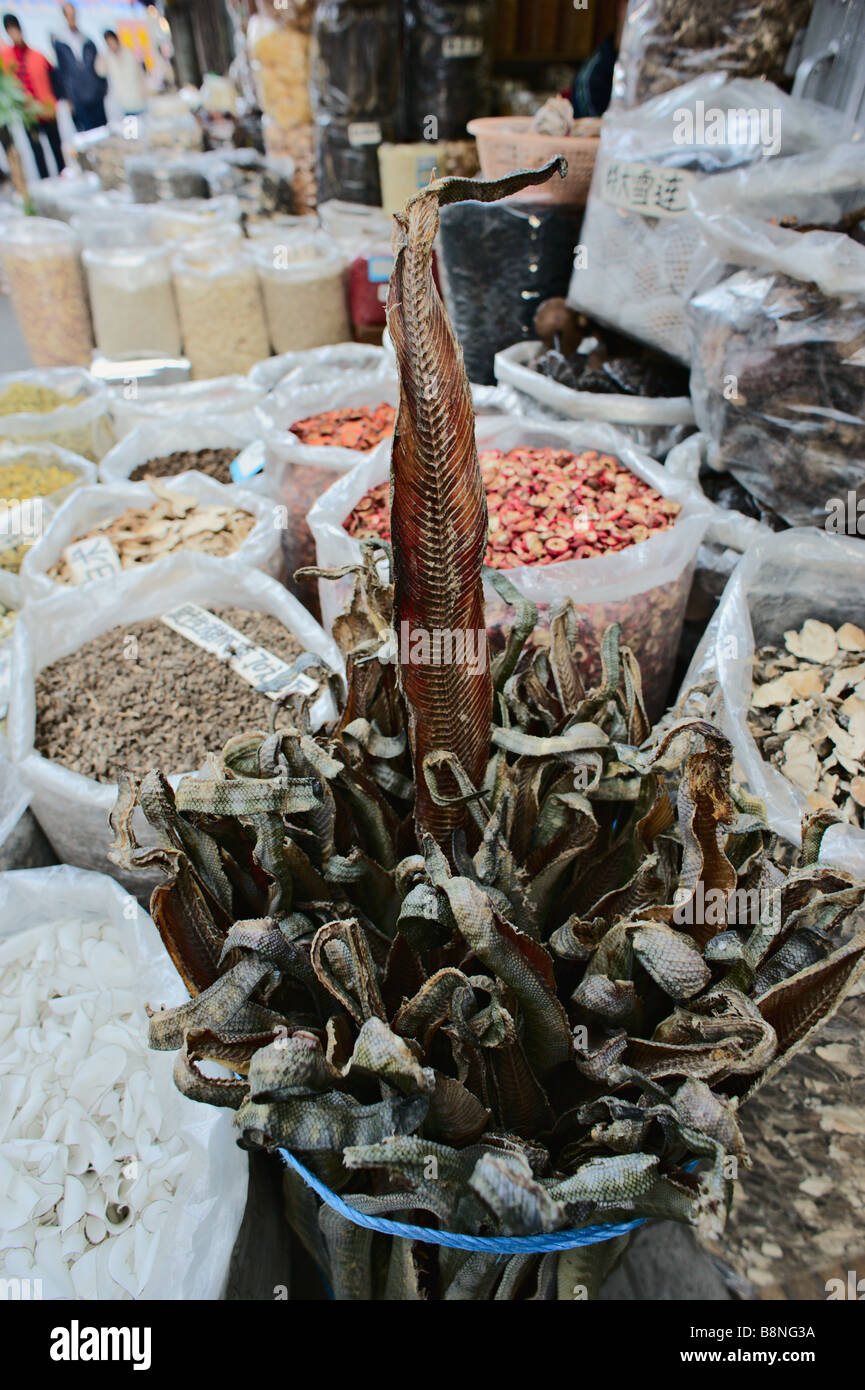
(489, 1245)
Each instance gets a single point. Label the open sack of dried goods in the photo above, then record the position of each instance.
(219, 304)
(303, 292)
(220, 395)
(585, 372)
(778, 376)
(667, 42)
(132, 301)
(643, 252)
(179, 444)
(576, 512)
(65, 406)
(781, 668)
(101, 685)
(106, 529)
(35, 480)
(115, 1186)
(42, 264)
(461, 970)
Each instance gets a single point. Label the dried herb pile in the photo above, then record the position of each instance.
(216, 463)
(355, 427)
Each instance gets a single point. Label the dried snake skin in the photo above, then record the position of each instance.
(438, 507)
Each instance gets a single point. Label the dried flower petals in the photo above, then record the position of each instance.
(356, 427)
(808, 714)
(90, 1160)
(547, 505)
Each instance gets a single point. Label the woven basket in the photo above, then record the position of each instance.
(506, 143)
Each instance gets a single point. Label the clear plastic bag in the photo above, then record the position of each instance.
(185, 219)
(83, 427)
(132, 301)
(24, 520)
(645, 588)
(91, 506)
(779, 583)
(197, 1234)
(499, 261)
(42, 265)
(312, 365)
(778, 376)
(638, 270)
(59, 198)
(667, 42)
(449, 65)
(655, 424)
(221, 312)
(222, 395)
(303, 291)
(73, 809)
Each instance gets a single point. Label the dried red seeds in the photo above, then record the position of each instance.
(358, 427)
(548, 505)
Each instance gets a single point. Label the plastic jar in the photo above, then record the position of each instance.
(132, 301)
(42, 265)
(221, 314)
(304, 294)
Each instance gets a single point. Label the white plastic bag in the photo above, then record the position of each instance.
(656, 424)
(293, 401)
(73, 809)
(157, 438)
(221, 395)
(778, 583)
(197, 1233)
(321, 364)
(778, 380)
(645, 588)
(643, 251)
(83, 427)
(25, 522)
(92, 505)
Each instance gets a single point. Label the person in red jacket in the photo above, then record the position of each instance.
(33, 71)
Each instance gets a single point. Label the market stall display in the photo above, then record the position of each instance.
(303, 293)
(42, 264)
(34, 481)
(163, 448)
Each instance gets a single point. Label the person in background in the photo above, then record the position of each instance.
(80, 83)
(126, 91)
(593, 84)
(34, 72)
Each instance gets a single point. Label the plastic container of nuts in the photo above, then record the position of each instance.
(221, 314)
(577, 513)
(42, 264)
(65, 406)
(304, 295)
(132, 301)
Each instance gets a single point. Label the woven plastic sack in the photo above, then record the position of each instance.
(321, 364)
(667, 42)
(91, 506)
(778, 377)
(638, 270)
(83, 427)
(220, 395)
(197, 1235)
(656, 424)
(171, 434)
(779, 583)
(645, 588)
(73, 809)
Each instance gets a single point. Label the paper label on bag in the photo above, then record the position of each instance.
(250, 461)
(648, 189)
(92, 558)
(364, 133)
(260, 668)
(462, 46)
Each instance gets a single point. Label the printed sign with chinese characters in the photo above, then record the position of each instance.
(646, 188)
(265, 672)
